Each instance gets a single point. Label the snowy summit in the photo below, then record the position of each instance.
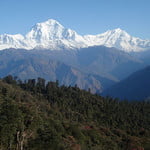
(52, 35)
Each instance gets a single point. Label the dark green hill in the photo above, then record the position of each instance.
(39, 116)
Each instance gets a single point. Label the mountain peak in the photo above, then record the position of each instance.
(49, 22)
(118, 30)
(52, 21)
(45, 31)
(48, 25)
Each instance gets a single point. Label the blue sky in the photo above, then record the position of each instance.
(83, 16)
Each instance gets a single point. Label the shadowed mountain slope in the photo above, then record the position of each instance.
(134, 87)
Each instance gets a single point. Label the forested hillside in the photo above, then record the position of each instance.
(35, 115)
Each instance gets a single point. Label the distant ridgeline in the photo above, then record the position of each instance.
(35, 115)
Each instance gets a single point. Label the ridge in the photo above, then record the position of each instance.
(54, 36)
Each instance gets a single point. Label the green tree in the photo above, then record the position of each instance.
(11, 122)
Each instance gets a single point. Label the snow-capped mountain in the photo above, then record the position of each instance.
(52, 35)
(119, 39)
(12, 41)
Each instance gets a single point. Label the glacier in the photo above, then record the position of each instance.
(52, 35)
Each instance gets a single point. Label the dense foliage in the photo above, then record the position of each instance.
(35, 115)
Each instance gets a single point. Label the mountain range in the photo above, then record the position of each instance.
(101, 63)
(97, 67)
(52, 35)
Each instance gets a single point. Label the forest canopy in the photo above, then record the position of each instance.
(40, 115)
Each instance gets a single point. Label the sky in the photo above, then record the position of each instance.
(83, 16)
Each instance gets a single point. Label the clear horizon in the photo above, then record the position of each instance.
(83, 16)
